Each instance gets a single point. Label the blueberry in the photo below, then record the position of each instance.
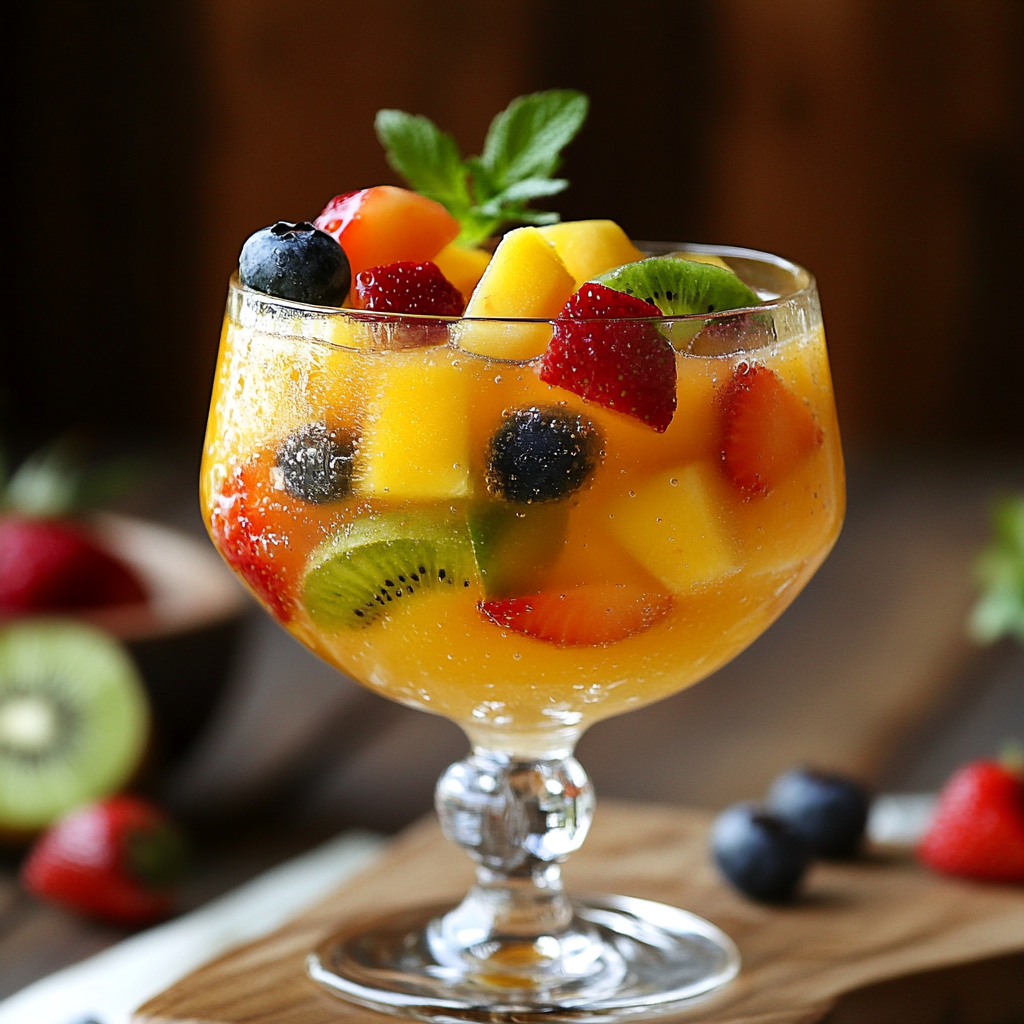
(829, 811)
(759, 853)
(316, 464)
(296, 261)
(540, 455)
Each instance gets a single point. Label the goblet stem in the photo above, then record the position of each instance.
(518, 818)
(516, 949)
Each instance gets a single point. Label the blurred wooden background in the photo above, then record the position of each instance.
(880, 142)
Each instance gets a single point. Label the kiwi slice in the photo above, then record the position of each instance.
(74, 720)
(356, 576)
(680, 287)
(516, 545)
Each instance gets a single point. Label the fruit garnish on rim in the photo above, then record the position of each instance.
(681, 287)
(407, 287)
(483, 193)
(630, 368)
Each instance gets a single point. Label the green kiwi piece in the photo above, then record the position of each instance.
(516, 545)
(356, 576)
(74, 720)
(679, 287)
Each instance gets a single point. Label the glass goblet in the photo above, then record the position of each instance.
(411, 501)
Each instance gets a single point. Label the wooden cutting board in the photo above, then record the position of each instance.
(858, 925)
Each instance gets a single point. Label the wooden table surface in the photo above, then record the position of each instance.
(859, 923)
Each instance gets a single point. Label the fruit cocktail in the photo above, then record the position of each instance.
(525, 490)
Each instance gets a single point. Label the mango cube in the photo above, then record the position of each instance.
(462, 266)
(416, 438)
(525, 278)
(675, 527)
(591, 247)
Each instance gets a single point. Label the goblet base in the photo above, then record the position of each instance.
(650, 959)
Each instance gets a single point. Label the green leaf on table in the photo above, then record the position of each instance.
(521, 153)
(999, 610)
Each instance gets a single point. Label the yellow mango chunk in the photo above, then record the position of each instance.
(590, 247)
(416, 438)
(675, 527)
(525, 278)
(462, 266)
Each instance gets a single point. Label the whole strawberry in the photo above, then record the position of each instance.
(978, 827)
(118, 861)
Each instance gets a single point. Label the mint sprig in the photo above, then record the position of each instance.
(483, 193)
(999, 610)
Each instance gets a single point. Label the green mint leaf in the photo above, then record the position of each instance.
(522, 192)
(426, 157)
(536, 217)
(526, 139)
(484, 185)
(521, 153)
(477, 227)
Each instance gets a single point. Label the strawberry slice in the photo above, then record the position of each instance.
(584, 616)
(407, 288)
(767, 429)
(245, 538)
(978, 827)
(628, 367)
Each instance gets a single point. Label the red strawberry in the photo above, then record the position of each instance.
(978, 827)
(581, 616)
(53, 564)
(408, 288)
(628, 367)
(767, 429)
(244, 536)
(118, 860)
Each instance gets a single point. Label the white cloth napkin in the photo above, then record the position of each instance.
(109, 986)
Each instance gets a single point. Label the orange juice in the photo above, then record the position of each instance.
(663, 557)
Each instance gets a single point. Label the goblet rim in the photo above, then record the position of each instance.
(805, 287)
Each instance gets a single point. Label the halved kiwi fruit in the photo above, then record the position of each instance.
(361, 573)
(74, 720)
(680, 287)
